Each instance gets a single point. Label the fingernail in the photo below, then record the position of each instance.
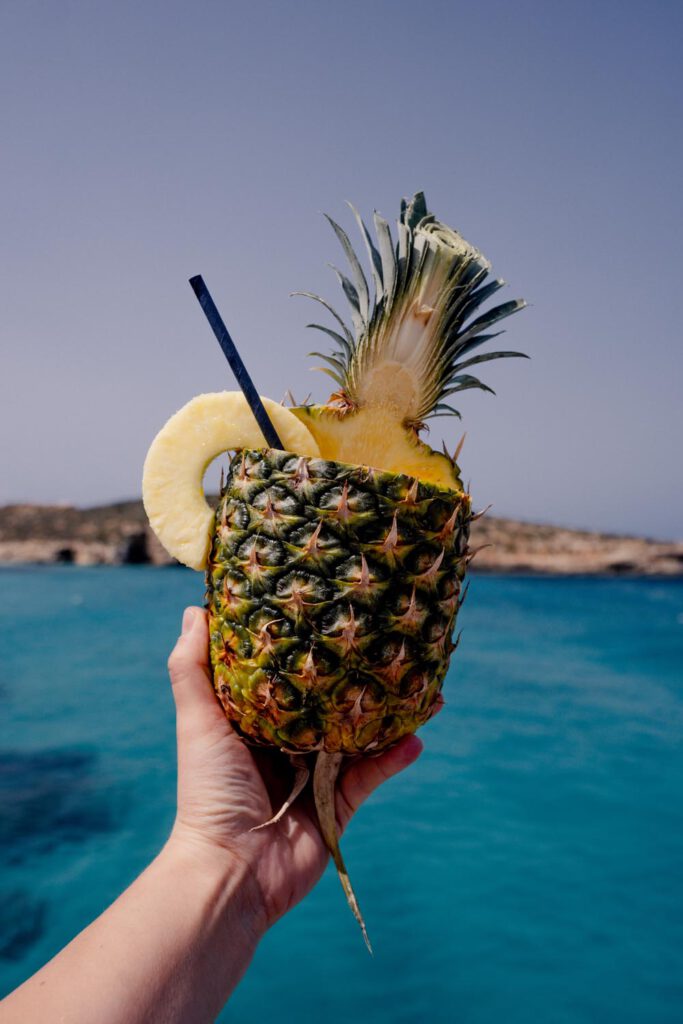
(188, 620)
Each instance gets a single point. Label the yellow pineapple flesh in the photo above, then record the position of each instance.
(172, 481)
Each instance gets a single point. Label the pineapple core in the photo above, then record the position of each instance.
(390, 386)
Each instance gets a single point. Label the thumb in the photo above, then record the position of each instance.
(364, 775)
(188, 666)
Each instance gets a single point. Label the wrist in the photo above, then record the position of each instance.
(227, 880)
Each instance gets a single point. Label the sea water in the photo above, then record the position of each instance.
(529, 868)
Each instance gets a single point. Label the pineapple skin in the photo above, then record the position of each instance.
(332, 593)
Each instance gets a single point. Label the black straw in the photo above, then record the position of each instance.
(238, 368)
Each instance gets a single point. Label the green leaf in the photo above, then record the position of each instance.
(348, 349)
(349, 288)
(388, 256)
(476, 298)
(332, 360)
(373, 254)
(330, 373)
(359, 281)
(415, 211)
(464, 383)
(487, 357)
(456, 350)
(328, 307)
(442, 409)
(492, 317)
(352, 296)
(403, 257)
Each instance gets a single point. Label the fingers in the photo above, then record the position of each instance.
(366, 774)
(188, 668)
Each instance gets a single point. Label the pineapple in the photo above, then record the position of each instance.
(335, 568)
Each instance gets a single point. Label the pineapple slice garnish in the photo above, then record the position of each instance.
(172, 480)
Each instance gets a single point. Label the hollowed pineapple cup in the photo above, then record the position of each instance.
(332, 593)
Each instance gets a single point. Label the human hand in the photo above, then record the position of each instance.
(175, 944)
(225, 788)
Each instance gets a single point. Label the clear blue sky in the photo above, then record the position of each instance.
(146, 142)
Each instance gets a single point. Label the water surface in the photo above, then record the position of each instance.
(529, 868)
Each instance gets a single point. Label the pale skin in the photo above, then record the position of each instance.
(175, 944)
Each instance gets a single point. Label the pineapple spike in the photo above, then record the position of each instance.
(481, 513)
(458, 450)
(473, 552)
(324, 780)
(301, 776)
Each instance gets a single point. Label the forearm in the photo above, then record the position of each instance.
(170, 949)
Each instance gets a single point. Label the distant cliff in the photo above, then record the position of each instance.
(530, 547)
(119, 535)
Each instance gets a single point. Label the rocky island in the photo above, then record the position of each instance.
(119, 535)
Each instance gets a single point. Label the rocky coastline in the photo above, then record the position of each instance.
(119, 535)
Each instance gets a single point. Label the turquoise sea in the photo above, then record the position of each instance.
(528, 869)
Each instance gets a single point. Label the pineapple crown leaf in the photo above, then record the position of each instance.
(456, 350)
(360, 283)
(487, 356)
(337, 378)
(388, 257)
(426, 287)
(336, 336)
(351, 294)
(336, 363)
(323, 302)
(463, 382)
(373, 254)
(442, 409)
(414, 211)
